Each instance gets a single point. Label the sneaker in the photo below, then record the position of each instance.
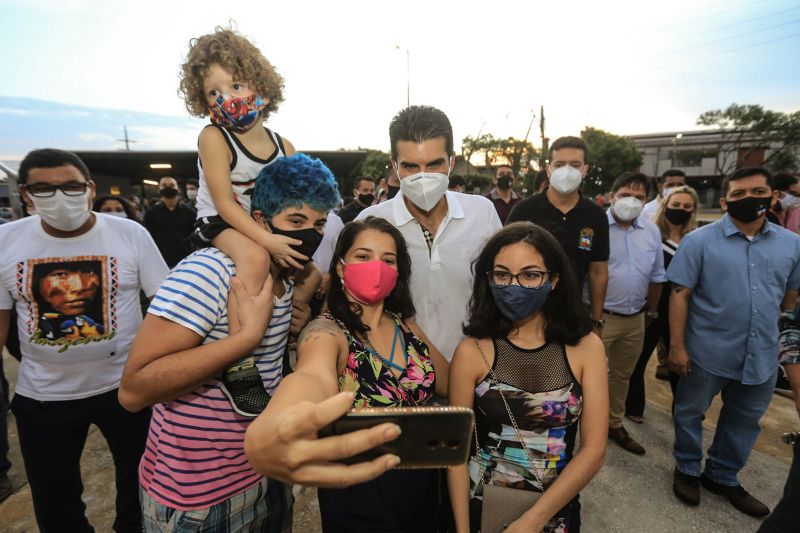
(739, 498)
(686, 487)
(5, 487)
(783, 387)
(242, 384)
(621, 437)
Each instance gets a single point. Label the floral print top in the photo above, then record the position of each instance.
(374, 383)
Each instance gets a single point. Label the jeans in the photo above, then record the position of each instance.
(737, 429)
(52, 436)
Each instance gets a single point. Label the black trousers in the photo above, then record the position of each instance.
(658, 329)
(52, 436)
(786, 515)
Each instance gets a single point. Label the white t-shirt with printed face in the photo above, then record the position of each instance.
(78, 302)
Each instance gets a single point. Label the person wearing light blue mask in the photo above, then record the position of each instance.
(529, 352)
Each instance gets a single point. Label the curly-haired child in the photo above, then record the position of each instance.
(226, 77)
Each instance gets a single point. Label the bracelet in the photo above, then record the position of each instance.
(598, 323)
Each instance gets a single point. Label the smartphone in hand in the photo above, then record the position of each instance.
(431, 437)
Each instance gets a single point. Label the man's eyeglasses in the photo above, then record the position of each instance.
(530, 279)
(45, 190)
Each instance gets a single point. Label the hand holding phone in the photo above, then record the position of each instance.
(287, 448)
(431, 437)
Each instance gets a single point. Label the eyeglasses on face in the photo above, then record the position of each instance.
(530, 279)
(45, 190)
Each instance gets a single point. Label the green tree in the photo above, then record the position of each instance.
(374, 164)
(486, 144)
(609, 156)
(747, 129)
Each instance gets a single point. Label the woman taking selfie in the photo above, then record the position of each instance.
(531, 368)
(676, 217)
(367, 346)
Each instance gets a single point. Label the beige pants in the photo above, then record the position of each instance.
(623, 338)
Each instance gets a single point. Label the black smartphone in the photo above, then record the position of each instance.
(432, 437)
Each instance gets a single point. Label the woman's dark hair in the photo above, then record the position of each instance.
(566, 318)
(126, 205)
(398, 301)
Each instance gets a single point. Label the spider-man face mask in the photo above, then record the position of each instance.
(237, 114)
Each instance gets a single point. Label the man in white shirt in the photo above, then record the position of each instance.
(74, 277)
(635, 278)
(444, 230)
(671, 178)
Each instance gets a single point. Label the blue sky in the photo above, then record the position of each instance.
(624, 66)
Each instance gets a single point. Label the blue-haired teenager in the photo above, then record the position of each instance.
(194, 474)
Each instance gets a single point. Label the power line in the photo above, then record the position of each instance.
(741, 23)
(692, 20)
(701, 45)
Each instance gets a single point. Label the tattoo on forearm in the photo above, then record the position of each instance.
(677, 288)
(317, 327)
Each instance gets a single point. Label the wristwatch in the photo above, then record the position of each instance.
(598, 323)
(651, 314)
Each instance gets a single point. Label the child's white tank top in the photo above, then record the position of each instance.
(245, 167)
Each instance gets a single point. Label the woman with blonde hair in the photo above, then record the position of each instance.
(676, 217)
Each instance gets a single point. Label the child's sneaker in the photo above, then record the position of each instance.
(241, 383)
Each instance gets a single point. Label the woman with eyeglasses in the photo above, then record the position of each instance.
(530, 353)
(676, 217)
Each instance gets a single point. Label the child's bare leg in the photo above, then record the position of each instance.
(241, 381)
(251, 260)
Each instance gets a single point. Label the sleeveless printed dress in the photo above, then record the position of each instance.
(546, 401)
(399, 501)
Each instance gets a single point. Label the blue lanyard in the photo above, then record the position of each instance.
(390, 362)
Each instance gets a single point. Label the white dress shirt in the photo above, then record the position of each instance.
(441, 281)
(650, 209)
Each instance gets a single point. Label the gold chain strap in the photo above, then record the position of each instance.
(510, 415)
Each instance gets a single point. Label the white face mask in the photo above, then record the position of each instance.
(789, 201)
(120, 214)
(665, 192)
(425, 189)
(62, 212)
(627, 209)
(565, 179)
(191, 194)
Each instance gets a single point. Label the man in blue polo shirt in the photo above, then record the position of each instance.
(730, 280)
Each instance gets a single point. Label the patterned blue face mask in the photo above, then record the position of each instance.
(517, 302)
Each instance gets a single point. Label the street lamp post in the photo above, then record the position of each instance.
(675, 149)
(408, 75)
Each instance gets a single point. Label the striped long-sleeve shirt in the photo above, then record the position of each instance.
(195, 448)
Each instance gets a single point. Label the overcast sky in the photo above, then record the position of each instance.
(623, 66)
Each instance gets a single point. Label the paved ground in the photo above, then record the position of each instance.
(630, 494)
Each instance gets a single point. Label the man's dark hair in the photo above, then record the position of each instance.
(570, 142)
(742, 173)
(540, 179)
(783, 181)
(399, 300)
(672, 172)
(49, 158)
(566, 319)
(193, 182)
(419, 123)
(498, 167)
(629, 179)
(358, 180)
(455, 180)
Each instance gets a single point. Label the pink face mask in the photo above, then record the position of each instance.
(369, 282)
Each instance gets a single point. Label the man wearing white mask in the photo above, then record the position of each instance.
(579, 225)
(444, 230)
(670, 179)
(74, 277)
(635, 277)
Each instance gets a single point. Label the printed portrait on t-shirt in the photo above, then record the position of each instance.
(70, 300)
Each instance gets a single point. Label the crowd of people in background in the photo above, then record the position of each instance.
(272, 308)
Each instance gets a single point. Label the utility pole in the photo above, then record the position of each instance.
(545, 140)
(127, 140)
